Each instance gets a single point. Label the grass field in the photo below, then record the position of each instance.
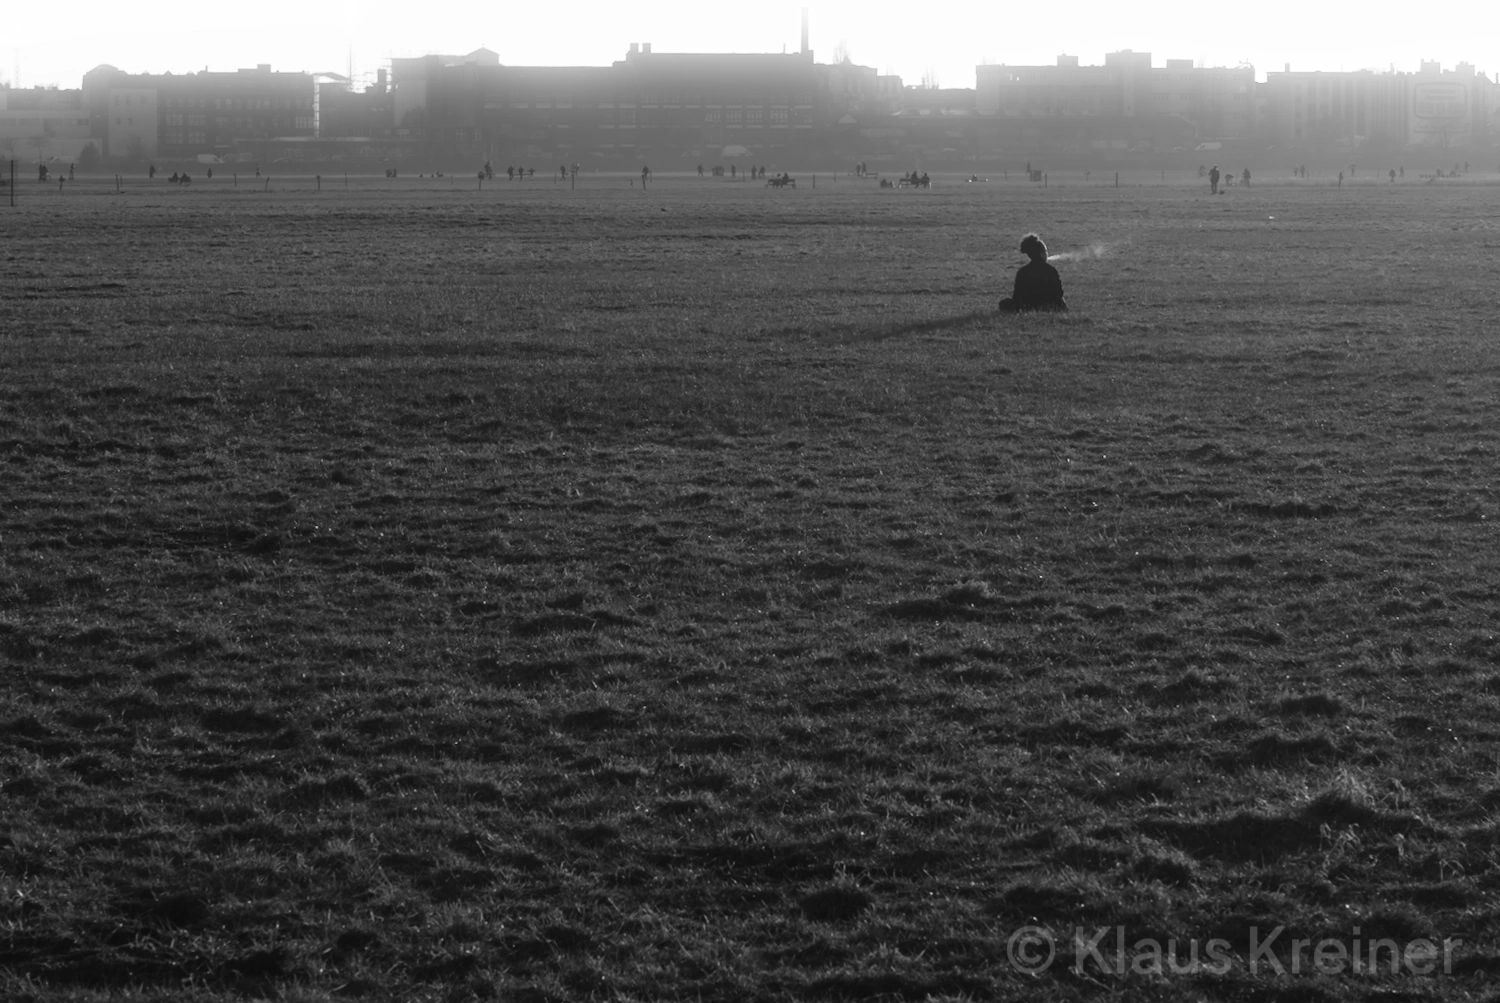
(431, 594)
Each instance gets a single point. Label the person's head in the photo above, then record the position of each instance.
(1033, 248)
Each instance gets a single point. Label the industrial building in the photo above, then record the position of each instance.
(678, 109)
(1125, 104)
(667, 107)
(180, 116)
(1432, 109)
(42, 124)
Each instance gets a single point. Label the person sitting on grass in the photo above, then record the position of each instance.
(1038, 286)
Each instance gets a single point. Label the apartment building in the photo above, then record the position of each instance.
(144, 115)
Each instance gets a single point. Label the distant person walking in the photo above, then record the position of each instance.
(1393, 175)
(1246, 177)
(151, 173)
(1038, 286)
(1341, 179)
(1213, 180)
(645, 174)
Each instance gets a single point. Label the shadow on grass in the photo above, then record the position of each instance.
(855, 336)
(992, 317)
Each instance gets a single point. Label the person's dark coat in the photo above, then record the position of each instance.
(1038, 287)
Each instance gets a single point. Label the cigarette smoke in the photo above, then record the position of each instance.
(1092, 251)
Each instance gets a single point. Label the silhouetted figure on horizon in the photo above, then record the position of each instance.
(1213, 180)
(1038, 286)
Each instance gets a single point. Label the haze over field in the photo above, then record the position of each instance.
(879, 33)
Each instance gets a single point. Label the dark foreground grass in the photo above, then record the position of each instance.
(701, 595)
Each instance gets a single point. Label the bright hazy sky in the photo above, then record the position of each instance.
(57, 42)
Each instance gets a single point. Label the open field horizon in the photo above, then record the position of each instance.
(304, 178)
(702, 594)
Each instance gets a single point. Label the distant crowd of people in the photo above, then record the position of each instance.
(1214, 176)
(1218, 180)
(1300, 171)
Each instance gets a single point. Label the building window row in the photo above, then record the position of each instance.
(232, 104)
(522, 99)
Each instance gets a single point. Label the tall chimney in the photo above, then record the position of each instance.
(805, 49)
